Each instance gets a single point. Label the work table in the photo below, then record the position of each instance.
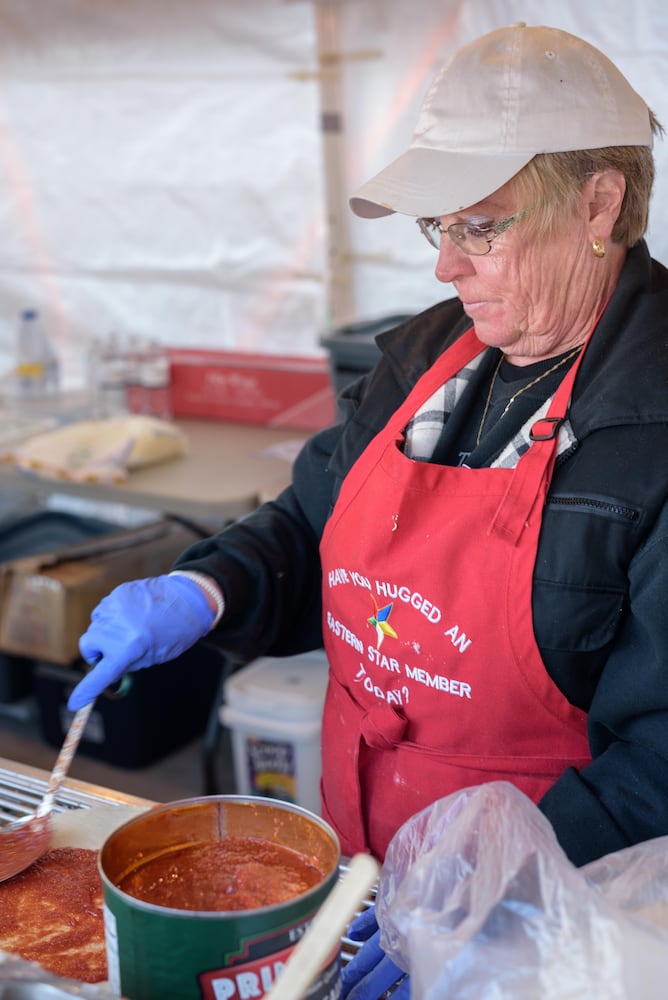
(228, 470)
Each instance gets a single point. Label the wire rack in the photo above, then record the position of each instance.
(21, 794)
(350, 948)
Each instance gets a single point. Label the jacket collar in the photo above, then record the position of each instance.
(623, 378)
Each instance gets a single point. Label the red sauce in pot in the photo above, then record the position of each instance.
(234, 873)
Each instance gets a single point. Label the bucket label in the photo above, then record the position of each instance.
(271, 769)
(255, 978)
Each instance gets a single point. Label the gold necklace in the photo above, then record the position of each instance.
(539, 378)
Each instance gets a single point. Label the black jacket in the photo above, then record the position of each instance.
(600, 595)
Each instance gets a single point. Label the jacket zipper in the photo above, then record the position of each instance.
(596, 504)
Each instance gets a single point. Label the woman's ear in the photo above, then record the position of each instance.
(605, 193)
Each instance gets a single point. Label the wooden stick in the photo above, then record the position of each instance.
(325, 929)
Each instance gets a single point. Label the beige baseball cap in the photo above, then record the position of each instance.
(497, 102)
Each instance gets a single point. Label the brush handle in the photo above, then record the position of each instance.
(64, 758)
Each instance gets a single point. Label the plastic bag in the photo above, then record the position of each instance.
(20, 980)
(101, 451)
(477, 900)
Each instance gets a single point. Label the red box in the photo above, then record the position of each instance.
(272, 390)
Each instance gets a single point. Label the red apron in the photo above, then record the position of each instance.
(436, 681)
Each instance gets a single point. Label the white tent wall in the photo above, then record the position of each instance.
(161, 173)
(179, 169)
(391, 265)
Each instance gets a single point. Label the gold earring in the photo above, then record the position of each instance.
(598, 246)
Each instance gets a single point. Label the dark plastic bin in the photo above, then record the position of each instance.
(15, 677)
(47, 531)
(164, 708)
(31, 535)
(352, 348)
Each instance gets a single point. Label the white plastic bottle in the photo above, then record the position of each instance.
(155, 377)
(37, 367)
(113, 377)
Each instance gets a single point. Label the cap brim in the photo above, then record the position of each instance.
(431, 183)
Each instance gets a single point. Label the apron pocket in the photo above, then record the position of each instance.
(399, 783)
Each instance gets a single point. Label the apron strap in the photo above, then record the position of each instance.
(531, 477)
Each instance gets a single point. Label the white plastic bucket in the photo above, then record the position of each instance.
(273, 709)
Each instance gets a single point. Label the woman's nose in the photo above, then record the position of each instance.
(452, 262)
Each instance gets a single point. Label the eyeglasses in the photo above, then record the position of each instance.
(470, 239)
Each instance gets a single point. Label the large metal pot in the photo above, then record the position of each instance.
(157, 951)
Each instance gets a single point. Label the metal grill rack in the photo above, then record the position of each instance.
(21, 794)
(350, 948)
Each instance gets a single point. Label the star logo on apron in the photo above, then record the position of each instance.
(379, 620)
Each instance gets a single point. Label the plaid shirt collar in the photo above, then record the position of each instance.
(424, 429)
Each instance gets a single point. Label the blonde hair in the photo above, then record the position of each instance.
(552, 182)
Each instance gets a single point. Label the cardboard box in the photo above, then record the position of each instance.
(46, 600)
(271, 390)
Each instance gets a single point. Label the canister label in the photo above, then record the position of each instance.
(253, 979)
(111, 942)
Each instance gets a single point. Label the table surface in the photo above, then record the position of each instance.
(229, 469)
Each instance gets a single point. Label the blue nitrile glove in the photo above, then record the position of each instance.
(371, 973)
(138, 624)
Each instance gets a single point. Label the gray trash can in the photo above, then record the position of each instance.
(352, 348)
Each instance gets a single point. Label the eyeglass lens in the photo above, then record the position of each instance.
(461, 234)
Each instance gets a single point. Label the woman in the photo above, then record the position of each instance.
(487, 524)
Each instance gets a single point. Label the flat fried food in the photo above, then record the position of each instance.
(51, 913)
